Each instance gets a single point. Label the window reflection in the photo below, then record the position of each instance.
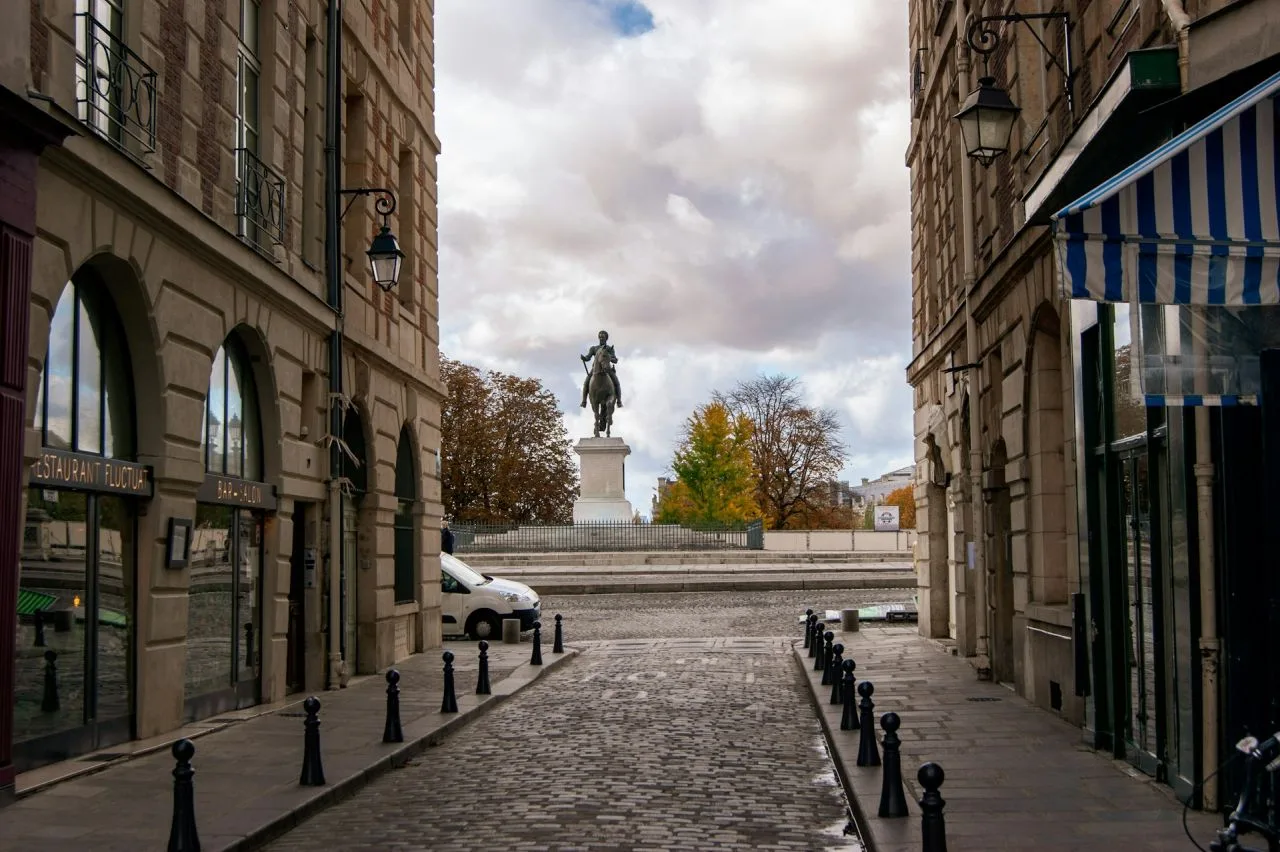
(83, 402)
(115, 592)
(235, 422)
(1129, 413)
(53, 579)
(232, 430)
(209, 601)
(88, 385)
(215, 409)
(59, 370)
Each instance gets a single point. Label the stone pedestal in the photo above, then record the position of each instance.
(603, 496)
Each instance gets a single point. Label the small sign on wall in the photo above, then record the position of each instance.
(886, 518)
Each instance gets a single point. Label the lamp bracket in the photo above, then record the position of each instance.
(984, 40)
(384, 205)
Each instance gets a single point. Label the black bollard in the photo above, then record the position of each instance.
(811, 641)
(893, 802)
(868, 754)
(849, 718)
(50, 702)
(449, 704)
(829, 665)
(39, 619)
(312, 770)
(824, 654)
(536, 659)
(182, 830)
(808, 629)
(933, 827)
(557, 646)
(391, 732)
(482, 680)
(836, 670)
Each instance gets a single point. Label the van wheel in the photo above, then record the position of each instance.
(484, 625)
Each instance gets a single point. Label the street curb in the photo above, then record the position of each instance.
(471, 708)
(781, 584)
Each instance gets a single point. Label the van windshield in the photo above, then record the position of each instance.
(462, 571)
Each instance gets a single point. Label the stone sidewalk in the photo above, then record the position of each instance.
(247, 768)
(1017, 777)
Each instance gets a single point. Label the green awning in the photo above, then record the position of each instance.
(30, 602)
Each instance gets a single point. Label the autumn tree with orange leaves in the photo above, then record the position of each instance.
(506, 456)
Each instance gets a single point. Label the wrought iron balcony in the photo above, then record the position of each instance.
(115, 90)
(260, 203)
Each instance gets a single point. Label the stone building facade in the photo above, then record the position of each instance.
(176, 502)
(1084, 524)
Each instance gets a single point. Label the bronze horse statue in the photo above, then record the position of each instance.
(600, 392)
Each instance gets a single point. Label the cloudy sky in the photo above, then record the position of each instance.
(718, 183)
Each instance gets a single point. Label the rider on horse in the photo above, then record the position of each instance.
(613, 359)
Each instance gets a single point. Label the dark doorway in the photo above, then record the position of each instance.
(1000, 565)
(299, 562)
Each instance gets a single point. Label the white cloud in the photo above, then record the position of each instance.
(724, 193)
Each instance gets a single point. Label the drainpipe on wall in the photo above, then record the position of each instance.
(980, 606)
(1210, 645)
(333, 275)
(1182, 26)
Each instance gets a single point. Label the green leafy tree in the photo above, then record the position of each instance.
(715, 481)
(506, 455)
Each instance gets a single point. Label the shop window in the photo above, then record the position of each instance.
(73, 679)
(83, 401)
(406, 493)
(232, 424)
(224, 598)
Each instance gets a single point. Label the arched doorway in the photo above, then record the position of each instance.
(225, 597)
(74, 686)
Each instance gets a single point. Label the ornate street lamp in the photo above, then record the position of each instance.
(385, 256)
(988, 115)
(986, 121)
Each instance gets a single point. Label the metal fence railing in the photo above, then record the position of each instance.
(603, 537)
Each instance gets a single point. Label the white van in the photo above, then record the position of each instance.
(475, 603)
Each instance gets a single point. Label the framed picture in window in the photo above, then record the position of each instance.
(178, 551)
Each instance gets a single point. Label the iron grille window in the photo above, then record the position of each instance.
(115, 89)
(259, 190)
(259, 201)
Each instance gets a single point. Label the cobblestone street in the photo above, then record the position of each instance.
(665, 744)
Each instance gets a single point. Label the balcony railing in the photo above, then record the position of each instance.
(260, 203)
(115, 90)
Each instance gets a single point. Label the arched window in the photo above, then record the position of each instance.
(84, 403)
(232, 427)
(406, 494)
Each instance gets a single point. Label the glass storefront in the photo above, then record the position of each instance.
(73, 689)
(74, 683)
(224, 610)
(225, 596)
(1142, 567)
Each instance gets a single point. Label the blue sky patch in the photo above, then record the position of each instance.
(628, 17)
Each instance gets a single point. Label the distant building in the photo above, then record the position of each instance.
(873, 492)
(664, 485)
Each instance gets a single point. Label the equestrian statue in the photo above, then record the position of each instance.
(601, 384)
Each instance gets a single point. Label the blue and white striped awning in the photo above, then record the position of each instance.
(1195, 222)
